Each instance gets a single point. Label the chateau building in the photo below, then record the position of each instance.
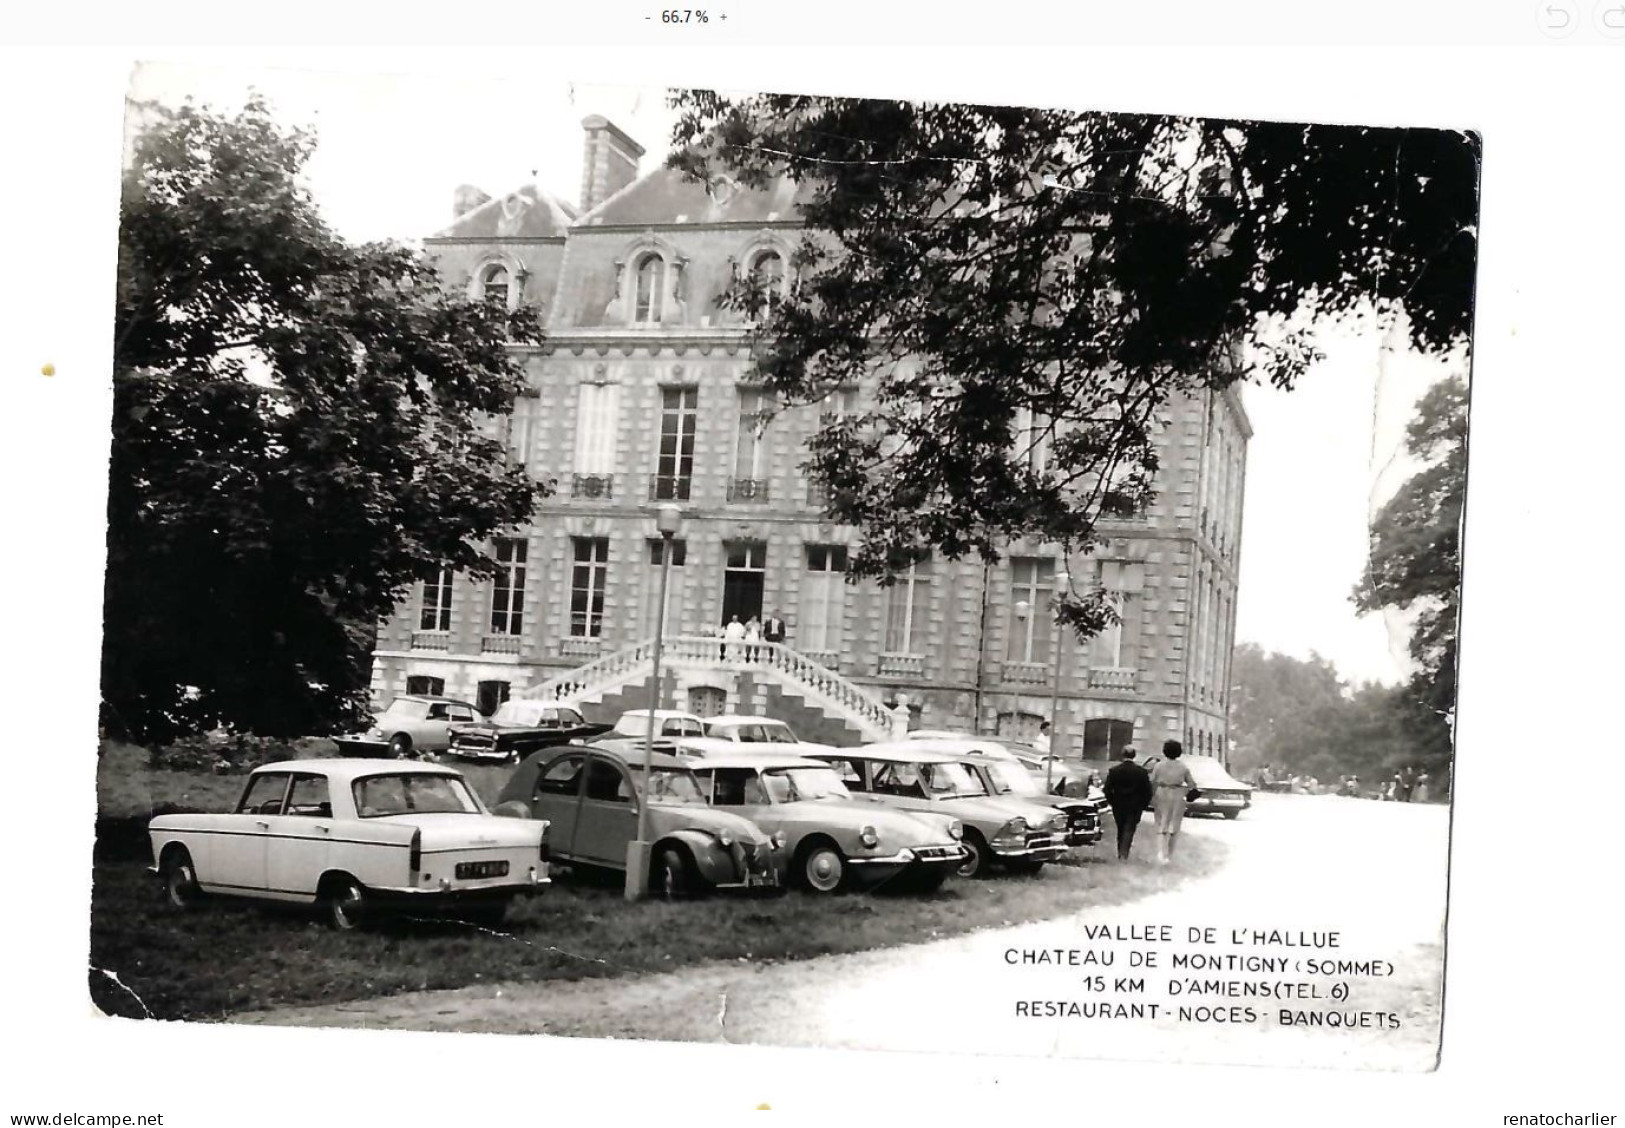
(639, 398)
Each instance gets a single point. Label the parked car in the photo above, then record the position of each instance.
(519, 728)
(1062, 777)
(412, 725)
(1219, 792)
(589, 795)
(671, 725)
(759, 731)
(832, 839)
(353, 836)
(926, 776)
(1009, 777)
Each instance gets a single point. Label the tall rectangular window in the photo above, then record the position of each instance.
(674, 469)
(905, 610)
(1032, 440)
(434, 602)
(587, 578)
(508, 587)
(750, 448)
(597, 420)
(823, 598)
(674, 583)
(1031, 629)
(1118, 646)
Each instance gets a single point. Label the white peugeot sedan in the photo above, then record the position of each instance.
(353, 836)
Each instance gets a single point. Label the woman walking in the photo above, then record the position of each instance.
(1171, 779)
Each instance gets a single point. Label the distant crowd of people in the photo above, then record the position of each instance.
(1409, 784)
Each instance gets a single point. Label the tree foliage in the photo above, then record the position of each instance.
(1301, 718)
(297, 436)
(1414, 563)
(984, 266)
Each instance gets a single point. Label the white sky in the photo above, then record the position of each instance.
(393, 147)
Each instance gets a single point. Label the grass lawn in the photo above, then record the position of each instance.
(229, 956)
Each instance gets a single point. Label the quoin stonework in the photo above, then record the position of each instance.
(639, 397)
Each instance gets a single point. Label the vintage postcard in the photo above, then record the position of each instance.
(783, 568)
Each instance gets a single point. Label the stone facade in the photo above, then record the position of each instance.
(637, 349)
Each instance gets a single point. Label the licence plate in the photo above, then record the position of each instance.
(470, 870)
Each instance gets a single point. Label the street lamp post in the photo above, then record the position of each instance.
(1062, 582)
(668, 520)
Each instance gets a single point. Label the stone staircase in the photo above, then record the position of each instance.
(709, 660)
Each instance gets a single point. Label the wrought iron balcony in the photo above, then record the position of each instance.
(747, 489)
(669, 487)
(592, 485)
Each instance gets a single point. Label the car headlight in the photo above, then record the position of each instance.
(1016, 825)
(375, 731)
(1058, 822)
(869, 837)
(724, 838)
(956, 830)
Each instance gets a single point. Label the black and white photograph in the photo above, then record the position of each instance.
(782, 568)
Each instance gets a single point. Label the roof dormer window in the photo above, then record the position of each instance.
(649, 281)
(494, 285)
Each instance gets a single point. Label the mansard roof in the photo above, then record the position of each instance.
(526, 213)
(666, 196)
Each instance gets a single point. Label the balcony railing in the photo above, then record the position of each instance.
(431, 640)
(900, 666)
(499, 644)
(747, 489)
(1026, 673)
(1109, 677)
(592, 485)
(829, 659)
(575, 646)
(669, 487)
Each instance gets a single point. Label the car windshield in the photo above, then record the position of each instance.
(673, 786)
(412, 793)
(518, 713)
(787, 785)
(1009, 777)
(406, 707)
(1209, 773)
(949, 780)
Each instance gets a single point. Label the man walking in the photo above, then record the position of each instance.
(1128, 792)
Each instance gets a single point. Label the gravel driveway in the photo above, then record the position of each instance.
(1298, 867)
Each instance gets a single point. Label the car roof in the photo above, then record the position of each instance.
(660, 713)
(355, 767)
(729, 719)
(901, 751)
(633, 759)
(429, 697)
(733, 758)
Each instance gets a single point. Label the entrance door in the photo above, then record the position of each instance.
(743, 579)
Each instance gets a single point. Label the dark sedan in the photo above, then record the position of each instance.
(519, 728)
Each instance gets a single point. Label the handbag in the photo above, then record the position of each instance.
(1193, 794)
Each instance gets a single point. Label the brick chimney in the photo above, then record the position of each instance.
(466, 199)
(609, 161)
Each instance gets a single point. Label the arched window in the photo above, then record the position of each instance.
(650, 282)
(494, 285)
(767, 273)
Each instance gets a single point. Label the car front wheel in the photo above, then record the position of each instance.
(180, 880)
(346, 905)
(975, 865)
(669, 879)
(400, 746)
(822, 869)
